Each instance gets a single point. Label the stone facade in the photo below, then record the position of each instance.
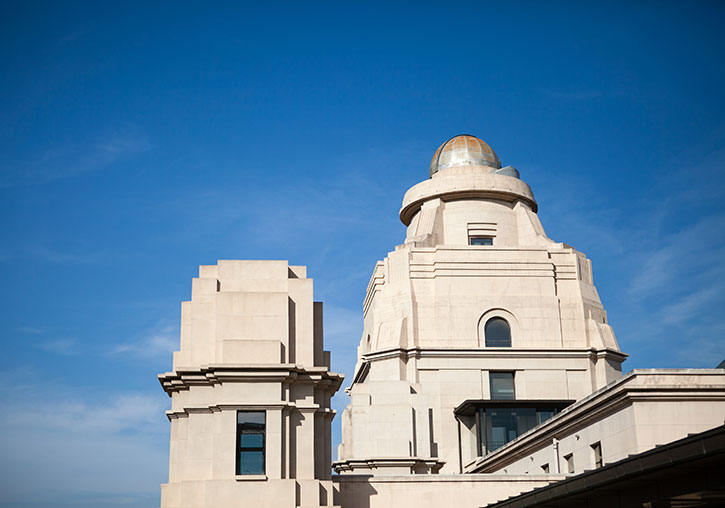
(251, 343)
(423, 350)
(486, 367)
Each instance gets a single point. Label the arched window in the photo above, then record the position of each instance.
(497, 332)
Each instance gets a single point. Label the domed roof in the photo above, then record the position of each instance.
(463, 150)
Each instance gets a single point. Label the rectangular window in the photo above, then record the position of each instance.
(502, 425)
(597, 451)
(480, 240)
(502, 385)
(501, 421)
(250, 442)
(569, 459)
(544, 414)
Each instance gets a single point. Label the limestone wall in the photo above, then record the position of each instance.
(251, 340)
(432, 491)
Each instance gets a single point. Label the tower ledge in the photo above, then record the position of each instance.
(450, 186)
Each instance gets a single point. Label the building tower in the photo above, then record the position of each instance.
(250, 392)
(476, 329)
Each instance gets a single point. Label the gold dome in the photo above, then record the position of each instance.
(463, 150)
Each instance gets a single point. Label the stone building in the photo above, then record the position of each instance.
(486, 369)
(250, 391)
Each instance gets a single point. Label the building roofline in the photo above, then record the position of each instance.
(687, 453)
(605, 400)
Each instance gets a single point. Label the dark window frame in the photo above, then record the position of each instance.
(477, 410)
(492, 374)
(251, 428)
(597, 451)
(489, 341)
(569, 460)
(485, 241)
(484, 419)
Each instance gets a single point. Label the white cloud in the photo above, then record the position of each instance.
(63, 450)
(691, 249)
(684, 309)
(159, 342)
(59, 346)
(30, 329)
(58, 257)
(70, 160)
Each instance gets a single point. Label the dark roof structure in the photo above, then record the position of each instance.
(689, 473)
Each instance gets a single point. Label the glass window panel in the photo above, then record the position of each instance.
(251, 462)
(545, 414)
(253, 417)
(502, 385)
(481, 240)
(252, 440)
(497, 333)
(506, 424)
(499, 425)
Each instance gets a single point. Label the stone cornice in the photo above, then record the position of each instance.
(465, 186)
(445, 478)
(430, 463)
(418, 352)
(207, 375)
(257, 406)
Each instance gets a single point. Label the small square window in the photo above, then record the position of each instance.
(502, 385)
(480, 240)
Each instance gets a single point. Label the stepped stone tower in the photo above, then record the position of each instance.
(476, 329)
(250, 392)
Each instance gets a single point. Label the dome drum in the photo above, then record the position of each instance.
(449, 187)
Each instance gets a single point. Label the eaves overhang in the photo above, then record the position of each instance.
(469, 407)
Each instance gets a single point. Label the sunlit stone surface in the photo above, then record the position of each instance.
(486, 368)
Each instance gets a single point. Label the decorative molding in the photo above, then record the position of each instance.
(208, 375)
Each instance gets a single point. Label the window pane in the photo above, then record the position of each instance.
(481, 240)
(250, 417)
(252, 440)
(502, 385)
(251, 462)
(506, 424)
(545, 414)
(497, 333)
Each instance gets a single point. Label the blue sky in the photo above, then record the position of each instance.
(138, 142)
